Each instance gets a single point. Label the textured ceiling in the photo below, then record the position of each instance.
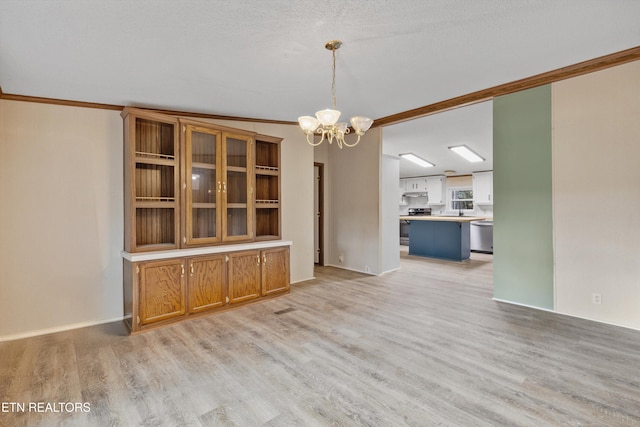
(266, 59)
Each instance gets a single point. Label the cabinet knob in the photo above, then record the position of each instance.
(191, 269)
(258, 259)
(264, 259)
(182, 270)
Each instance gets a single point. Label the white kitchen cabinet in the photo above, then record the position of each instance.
(435, 186)
(483, 188)
(415, 185)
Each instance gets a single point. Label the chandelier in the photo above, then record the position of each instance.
(324, 123)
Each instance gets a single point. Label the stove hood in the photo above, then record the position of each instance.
(415, 194)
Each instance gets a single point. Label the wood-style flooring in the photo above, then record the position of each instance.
(422, 346)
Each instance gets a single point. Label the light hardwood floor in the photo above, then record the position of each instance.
(422, 346)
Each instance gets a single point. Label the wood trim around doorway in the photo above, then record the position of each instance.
(320, 211)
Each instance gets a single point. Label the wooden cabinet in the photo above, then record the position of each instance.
(267, 185)
(162, 288)
(258, 273)
(164, 291)
(436, 191)
(483, 188)
(275, 270)
(191, 184)
(206, 283)
(189, 188)
(151, 176)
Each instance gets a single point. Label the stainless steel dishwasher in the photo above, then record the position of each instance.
(481, 238)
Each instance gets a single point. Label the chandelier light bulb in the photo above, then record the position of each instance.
(308, 124)
(328, 117)
(361, 124)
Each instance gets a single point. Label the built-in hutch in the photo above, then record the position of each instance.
(202, 222)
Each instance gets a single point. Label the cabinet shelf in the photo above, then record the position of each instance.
(156, 199)
(267, 203)
(146, 155)
(198, 165)
(267, 170)
(236, 169)
(203, 205)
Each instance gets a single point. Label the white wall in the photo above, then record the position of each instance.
(61, 210)
(596, 194)
(354, 191)
(389, 224)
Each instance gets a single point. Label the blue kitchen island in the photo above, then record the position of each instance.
(444, 237)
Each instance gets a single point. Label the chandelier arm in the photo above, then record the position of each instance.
(354, 144)
(310, 141)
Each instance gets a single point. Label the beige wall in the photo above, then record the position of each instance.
(354, 193)
(596, 194)
(61, 212)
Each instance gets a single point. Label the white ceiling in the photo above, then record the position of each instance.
(430, 137)
(266, 59)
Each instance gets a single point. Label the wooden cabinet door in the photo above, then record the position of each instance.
(275, 270)
(162, 290)
(244, 276)
(237, 187)
(202, 181)
(207, 283)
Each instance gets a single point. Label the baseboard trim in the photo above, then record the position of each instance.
(63, 328)
(351, 269)
(567, 314)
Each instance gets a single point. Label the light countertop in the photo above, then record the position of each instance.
(442, 218)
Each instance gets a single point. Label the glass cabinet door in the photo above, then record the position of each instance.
(203, 185)
(236, 187)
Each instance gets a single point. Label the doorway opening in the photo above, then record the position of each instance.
(318, 210)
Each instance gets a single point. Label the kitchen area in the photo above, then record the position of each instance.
(447, 217)
(445, 199)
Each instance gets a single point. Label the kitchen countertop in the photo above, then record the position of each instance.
(441, 218)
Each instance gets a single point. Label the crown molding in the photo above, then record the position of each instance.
(586, 67)
(82, 104)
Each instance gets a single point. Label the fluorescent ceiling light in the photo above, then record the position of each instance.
(467, 153)
(417, 160)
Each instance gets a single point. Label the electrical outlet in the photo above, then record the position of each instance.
(596, 298)
(341, 258)
(367, 269)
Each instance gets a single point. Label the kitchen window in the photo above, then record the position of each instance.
(462, 199)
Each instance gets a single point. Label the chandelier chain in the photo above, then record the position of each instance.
(333, 80)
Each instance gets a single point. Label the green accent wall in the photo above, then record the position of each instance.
(522, 210)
